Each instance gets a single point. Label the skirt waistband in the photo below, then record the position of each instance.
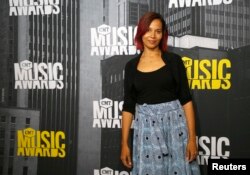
(159, 108)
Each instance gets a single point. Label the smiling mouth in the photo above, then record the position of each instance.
(152, 42)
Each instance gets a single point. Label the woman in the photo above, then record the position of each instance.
(156, 91)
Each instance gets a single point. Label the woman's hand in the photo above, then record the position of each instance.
(191, 150)
(126, 156)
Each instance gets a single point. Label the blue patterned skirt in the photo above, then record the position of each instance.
(160, 139)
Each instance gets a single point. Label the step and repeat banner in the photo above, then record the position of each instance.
(62, 71)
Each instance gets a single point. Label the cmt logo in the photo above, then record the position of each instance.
(29, 132)
(106, 113)
(106, 40)
(109, 171)
(32, 143)
(30, 75)
(106, 103)
(208, 74)
(104, 29)
(26, 65)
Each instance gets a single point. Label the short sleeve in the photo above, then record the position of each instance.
(183, 91)
(129, 99)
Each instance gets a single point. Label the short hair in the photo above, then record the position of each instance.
(143, 26)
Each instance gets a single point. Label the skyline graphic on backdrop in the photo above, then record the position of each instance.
(39, 52)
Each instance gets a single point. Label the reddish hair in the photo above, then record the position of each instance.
(143, 26)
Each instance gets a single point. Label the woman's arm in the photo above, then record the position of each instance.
(127, 114)
(191, 151)
(127, 118)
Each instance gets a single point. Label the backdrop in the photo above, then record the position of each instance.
(62, 71)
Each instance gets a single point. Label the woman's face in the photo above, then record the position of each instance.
(152, 38)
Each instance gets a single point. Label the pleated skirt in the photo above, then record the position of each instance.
(160, 139)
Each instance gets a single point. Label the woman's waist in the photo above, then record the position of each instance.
(159, 108)
(155, 101)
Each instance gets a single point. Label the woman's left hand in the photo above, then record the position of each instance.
(191, 150)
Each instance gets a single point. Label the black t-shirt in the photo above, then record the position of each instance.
(163, 85)
(155, 87)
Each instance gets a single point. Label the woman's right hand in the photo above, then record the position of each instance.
(126, 156)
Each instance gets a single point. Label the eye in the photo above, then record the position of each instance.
(149, 30)
(159, 31)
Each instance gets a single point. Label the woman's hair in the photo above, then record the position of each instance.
(143, 26)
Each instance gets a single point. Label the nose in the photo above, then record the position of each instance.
(152, 34)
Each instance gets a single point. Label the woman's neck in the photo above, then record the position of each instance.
(151, 53)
